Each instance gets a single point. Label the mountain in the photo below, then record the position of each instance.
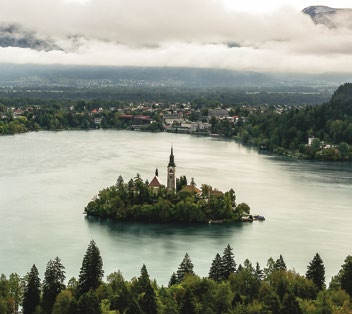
(13, 35)
(330, 17)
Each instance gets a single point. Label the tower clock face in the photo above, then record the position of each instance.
(170, 171)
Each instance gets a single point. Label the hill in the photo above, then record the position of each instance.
(328, 126)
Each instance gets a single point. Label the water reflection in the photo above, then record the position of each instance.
(154, 230)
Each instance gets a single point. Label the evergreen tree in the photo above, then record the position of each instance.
(280, 264)
(215, 271)
(173, 280)
(53, 283)
(269, 267)
(148, 296)
(228, 262)
(89, 303)
(119, 181)
(345, 275)
(31, 296)
(185, 268)
(91, 271)
(316, 272)
(259, 273)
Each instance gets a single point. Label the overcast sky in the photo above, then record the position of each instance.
(251, 35)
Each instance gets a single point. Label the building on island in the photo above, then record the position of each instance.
(155, 183)
(171, 173)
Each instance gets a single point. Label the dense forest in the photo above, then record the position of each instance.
(288, 132)
(229, 288)
(137, 201)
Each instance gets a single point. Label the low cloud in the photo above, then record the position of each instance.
(194, 33)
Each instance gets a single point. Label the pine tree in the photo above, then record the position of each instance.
(228, 262)
(173, 280)
(148, 300)
(259, 273)
(53, 283)
(215, 271)
(345, 275)
(31, 296)
(91, 271)
(316, 272)
(280, 264)
(185, 268)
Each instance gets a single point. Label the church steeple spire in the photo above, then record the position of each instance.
(172, 158)
(171, 172)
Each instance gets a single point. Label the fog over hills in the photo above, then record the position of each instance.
(112, 43)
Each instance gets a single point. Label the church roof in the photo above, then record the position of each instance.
(155, 183)
(190, 189)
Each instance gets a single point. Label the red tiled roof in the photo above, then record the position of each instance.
(155, 183)
(190, 189)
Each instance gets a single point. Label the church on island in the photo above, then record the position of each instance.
(175, 201)
(171, 175)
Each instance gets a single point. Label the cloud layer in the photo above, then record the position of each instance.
(194, 33)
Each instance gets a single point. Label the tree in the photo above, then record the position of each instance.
(259, 273)
(228, 262)
(187, 305)
(173, 280)
(290, 305)
(89, 303)
(147, 294)
(120, 296)
(180, 183)
(215, 272)
(185, 268)
(91, 271)
(53, 283)
(31, 295)
(344, 150)
(315, 145)
(15, 290)
(119, 181)
(280, 264)
(65, 303)
(346, 275)
(316, 272)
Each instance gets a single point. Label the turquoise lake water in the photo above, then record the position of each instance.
(47, 178)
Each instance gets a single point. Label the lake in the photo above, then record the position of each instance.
(47, 178)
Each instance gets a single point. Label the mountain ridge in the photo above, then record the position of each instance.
(330, 17)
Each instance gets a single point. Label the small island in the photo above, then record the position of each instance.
(176, 202)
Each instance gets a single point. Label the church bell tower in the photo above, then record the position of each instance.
(171, 173)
